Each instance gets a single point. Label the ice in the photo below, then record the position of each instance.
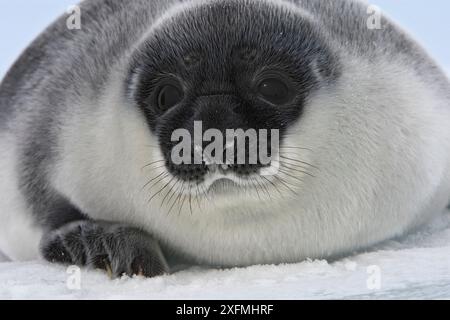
(415, 267)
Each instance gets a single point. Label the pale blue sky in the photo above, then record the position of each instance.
(22, 20)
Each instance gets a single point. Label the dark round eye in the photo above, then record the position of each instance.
(169, 96)
(274, 90)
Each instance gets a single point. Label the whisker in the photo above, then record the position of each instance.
(298, 148)
(256, 188)
(273, 184)
(291, 176)
(263, 187)
(152, 163)
(172, 191)
(296, 170)
(182, 204)
(299, 161)
(178, 197)
(205, 193)
(153, 179)
(294, 164)
(161, 190)
(292, 153)
(190, 198)
(156, 168)
(286, 184)
(167, 193)
(197, 196)
(154, 195)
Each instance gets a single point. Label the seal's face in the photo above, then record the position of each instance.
(227, 66)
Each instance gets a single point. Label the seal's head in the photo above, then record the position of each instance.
(227, 65)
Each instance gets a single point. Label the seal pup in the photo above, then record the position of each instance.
(87, 118)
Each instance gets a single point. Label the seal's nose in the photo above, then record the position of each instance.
(218, 112)
(220, 140)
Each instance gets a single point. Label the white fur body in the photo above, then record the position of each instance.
(380, 140)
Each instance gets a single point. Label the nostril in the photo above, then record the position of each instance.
(245, 169)
(188, 172)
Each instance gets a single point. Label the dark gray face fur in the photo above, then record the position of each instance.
(212, 63)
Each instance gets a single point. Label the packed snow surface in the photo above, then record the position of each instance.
(415, 267)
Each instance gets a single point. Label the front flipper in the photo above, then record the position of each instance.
(116, 248)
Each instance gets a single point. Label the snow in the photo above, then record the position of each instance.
(415, 267)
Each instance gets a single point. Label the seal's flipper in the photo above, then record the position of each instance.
(115, 248)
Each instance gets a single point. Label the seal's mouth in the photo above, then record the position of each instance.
(227, 180)
(223, 186)
(197, 186)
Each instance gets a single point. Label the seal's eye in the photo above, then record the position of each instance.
(169, 96)
(274, 90)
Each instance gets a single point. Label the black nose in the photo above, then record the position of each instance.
(220, 113)
(188, 172)
(197, 172)
(244, 162)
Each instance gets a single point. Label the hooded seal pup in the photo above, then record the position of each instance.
(87, 116)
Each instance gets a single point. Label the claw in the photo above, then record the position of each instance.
(109, 271)
(140, 272)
